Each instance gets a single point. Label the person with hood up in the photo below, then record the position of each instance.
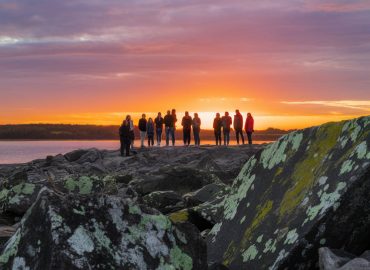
(249, 127)
(217, 125)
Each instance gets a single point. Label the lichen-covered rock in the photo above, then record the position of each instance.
(309, 189)
(339, 260)
(203, 194)
(100, 232)
(164, 201)
(16, 199)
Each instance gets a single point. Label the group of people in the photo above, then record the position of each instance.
(149, 128)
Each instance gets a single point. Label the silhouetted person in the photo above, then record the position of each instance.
(226, 124)
(159, 128)
(168, 123)
(142, 128)
(174, 118)
(249, 127)
(238, 126)
(186, 128)
(196, 129)
(125, 137)
(150, 131)
(132, 133)
(217, 125)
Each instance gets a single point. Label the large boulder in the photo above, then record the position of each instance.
(308, 189)
(100, 232)
(339, 260)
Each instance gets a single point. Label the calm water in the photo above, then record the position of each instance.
(24, 151)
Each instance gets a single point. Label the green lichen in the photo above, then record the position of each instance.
(24, 188)
(270, 246)
(180, 260)
(84, 185)
(250, 254)
(81, 242)
(291, 237)
(80, 211)
(327, 200)
(303, 178)
(347, 167)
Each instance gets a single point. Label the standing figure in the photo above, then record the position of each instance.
(174, 118)
(159, 128)
(125, 137)
(150, 131)
(168, 124)
(142, 128)
(217, 124)
(238, 126)
(132, 132)
(186, 128)
(249, 127)
(226, 124)
(196, 129)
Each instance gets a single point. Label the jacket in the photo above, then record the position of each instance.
(217, 124)
(159, 122)
(196, 123)
(150, 128)
(142, 124)
(168, 121)
(226, 122)
(249, 124)
(238, 122)
(124, 133)
(186, 122)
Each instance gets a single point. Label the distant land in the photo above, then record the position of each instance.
(96, 132)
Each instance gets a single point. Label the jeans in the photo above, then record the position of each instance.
(196, 132)
(218, 137)
(125, 145)
(226, 136)
(150, 139)
(249, 134)
(159, 136)
(237, 132)
(142, 137)
(186, 133)
(170, 131)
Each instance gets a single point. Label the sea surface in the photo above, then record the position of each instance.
(25, 151)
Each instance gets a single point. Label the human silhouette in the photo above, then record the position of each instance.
(159, 127)
(186, 128)
(196, 129)
(238, 126)
(226, 124)
(168, 123)
(125, 137)
(249, 127)
(150, 131)
(217, 125)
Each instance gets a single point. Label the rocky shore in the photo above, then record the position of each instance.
(268, 206)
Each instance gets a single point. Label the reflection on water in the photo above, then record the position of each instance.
(24, 151)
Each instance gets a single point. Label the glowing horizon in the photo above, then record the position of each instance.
(291, 64)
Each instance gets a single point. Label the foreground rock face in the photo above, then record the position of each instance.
(311, 188)
(100, 232)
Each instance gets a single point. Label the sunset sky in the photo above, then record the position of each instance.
(291, 63)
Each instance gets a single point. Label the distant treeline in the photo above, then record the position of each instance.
(93, 132)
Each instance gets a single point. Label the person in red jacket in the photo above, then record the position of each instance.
(249, 127)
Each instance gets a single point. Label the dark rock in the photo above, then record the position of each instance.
(340, 260)
(164, 201)
(202, 195)
(180, 179)
(75, 155)
(309, 189)
(100, 232)
(217, 266)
